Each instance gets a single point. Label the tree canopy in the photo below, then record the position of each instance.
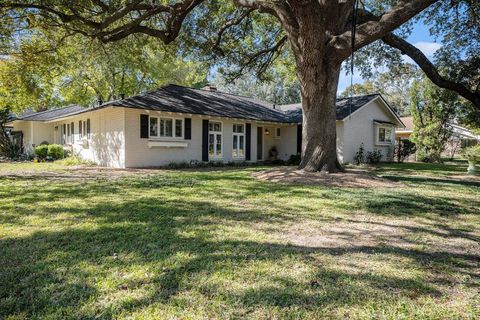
(46, 70)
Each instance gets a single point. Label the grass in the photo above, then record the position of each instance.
(218, 244)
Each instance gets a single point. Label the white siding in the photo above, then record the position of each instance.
(139, 154)
(360, 128)
(106, 145)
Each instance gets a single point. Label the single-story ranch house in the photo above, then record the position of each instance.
(178, 124)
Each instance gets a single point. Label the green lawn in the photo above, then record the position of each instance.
(222, 245)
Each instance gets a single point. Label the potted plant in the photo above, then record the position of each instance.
(472, 154)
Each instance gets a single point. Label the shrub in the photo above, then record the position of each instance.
(74, 161)
(273, 153)
(471, 153)
(294, 159)
(374, 157)
(55, 151)
(41, 151)
(8, 148)
(404, 149)
(360, 155)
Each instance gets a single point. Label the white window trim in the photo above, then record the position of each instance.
(215, 132)
(377, 135)
(238, 141)
(159, 136)
(275, 134)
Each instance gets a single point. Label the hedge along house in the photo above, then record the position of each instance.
(180, 124)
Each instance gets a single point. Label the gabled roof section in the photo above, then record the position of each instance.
(408, 122)
(344, 108)
(174, 98)
(51, 114)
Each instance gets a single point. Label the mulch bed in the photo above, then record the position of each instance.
(351, 178)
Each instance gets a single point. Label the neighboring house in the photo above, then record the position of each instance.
(177, 124)
(460, 135)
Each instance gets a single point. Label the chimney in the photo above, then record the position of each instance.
(274, 106)
(210, 88)
(122, 96)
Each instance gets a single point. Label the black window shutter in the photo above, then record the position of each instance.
(248, 138)
(144, 126)
(205, 140)
(188, 129)
(299, 138)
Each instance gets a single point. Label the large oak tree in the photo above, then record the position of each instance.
(318, 32)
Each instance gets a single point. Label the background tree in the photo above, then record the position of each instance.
(277, 85)
(432, 109)
(81, 70)
(7, 147)
(318, 33)
(394, 84)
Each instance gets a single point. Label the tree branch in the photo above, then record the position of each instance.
(429, 69)
(226, 26)
(372, 30)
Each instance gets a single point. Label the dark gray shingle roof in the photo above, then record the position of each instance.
(344, 108)
(174, 98)
(51, 114)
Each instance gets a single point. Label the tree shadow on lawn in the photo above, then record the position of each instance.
(415, 167)
(57, 271)
(422, 180)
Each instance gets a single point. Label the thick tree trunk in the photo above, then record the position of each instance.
(318, 71)
(319, 141)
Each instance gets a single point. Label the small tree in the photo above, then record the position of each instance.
(7, 147)
(403, 149)
(432, 110)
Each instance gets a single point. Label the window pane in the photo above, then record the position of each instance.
(217, 126)
(210, 126)
(168, 128)
(238, 128)
(153, 127)
(381, 134)
(211, 142)
(178, 128)
(241, 147)
(219, 144)
(278, 132)
(388, 135)
(235, 146)
(162, 127)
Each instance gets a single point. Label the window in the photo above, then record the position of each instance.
(384, 135)
(68, 134)
(64, 134)
(178, 128)
(277, 132)
(84, 128)
(165, 127)
(88, 129)
(153, 127)
(72, 133)
(80, 128)
(214, 140)
(238, 150)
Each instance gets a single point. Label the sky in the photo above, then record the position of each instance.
(420, 37)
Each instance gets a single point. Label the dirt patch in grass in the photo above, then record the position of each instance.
(351, 178)
(80, 172)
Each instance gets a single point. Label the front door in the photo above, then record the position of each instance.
(259, 143)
